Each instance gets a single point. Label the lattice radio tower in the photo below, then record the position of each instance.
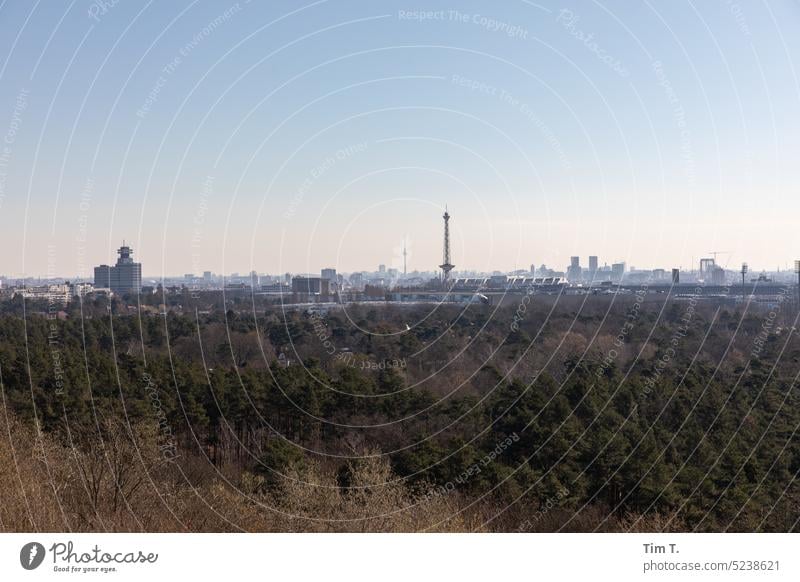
(404, 257)
(446, 266)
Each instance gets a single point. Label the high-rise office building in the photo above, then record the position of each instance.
(574, 273)
(102, 277)
(617, 272)
(329, 274)
(592, 267)
(124, 277)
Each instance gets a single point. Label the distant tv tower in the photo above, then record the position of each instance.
(446, 266)
(404, 257)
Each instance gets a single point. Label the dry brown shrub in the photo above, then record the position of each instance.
(311, 501)
(117, 480)
(32, 479)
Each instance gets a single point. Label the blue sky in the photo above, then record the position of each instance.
(286, 136)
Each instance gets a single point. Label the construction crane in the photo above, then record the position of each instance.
(715, 253)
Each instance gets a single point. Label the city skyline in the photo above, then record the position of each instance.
(585, 263)
(573, 271)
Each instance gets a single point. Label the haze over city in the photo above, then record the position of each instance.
(400, 266)
(291, 138)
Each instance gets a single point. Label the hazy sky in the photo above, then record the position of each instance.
(284, 136)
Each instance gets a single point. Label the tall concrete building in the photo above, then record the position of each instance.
(124, 277)
(592, 268)
(102, 277)
(574, 272)
(617, 272)
(329, 274)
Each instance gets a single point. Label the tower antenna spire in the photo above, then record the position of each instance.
(446, 265)
(404, 257)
